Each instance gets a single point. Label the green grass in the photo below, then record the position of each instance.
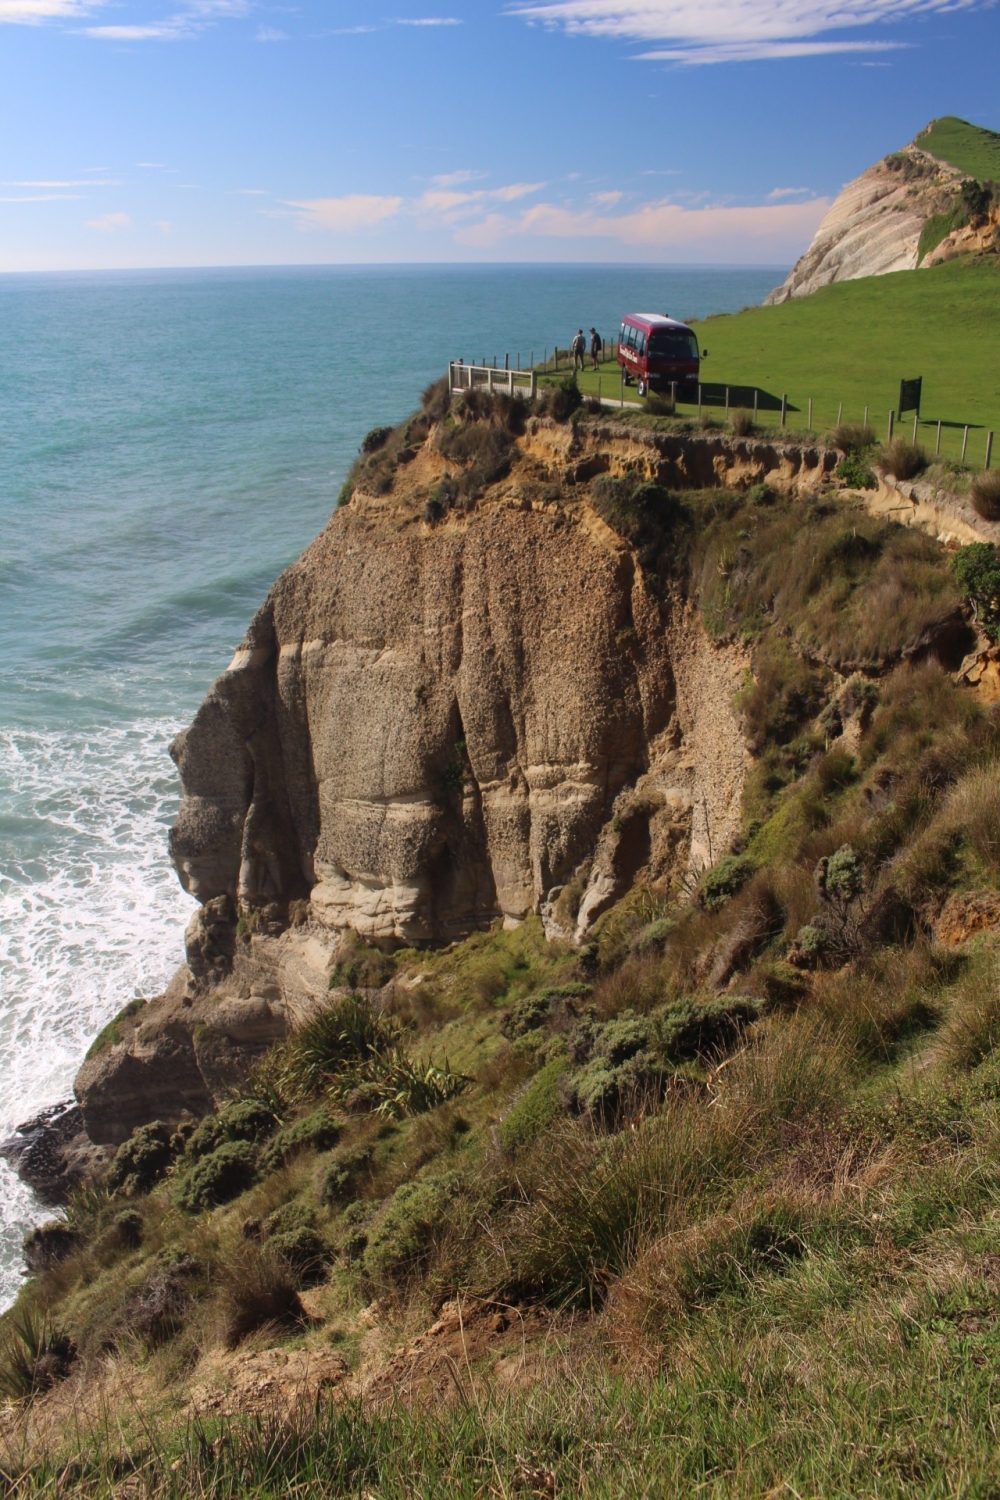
(853, 343)
(968, 147)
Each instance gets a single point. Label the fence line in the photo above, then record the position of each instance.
(463, 377)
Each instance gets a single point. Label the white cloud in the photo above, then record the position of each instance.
(271, 34)
(344, 215)
(713, 31)
(455, 179)
(110, 223)
(430, 21)
(776, 194)
(86, 182)
(180, 27)
(34, 12)
(45, 198)
(660, 227)
(454, 206)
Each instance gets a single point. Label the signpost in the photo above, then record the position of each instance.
(909, 395)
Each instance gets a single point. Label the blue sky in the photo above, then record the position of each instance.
(235, 132)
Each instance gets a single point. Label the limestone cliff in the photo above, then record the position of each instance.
(440, 718)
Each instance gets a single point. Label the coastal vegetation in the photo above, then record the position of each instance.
(705, 1203)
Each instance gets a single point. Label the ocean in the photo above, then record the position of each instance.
(168, 443)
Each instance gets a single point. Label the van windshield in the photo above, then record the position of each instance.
(674, 345)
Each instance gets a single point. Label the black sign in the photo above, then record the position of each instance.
(909, 395)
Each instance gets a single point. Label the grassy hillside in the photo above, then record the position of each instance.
(708, 1207)
(853, 342)
(974, 151)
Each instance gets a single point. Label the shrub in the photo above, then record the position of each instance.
(360, 966)
(375, 439)
(856, 473)
(484, 451)
(526, 1015)
(702, 1027)
(741, 423)
(244, 1120)
(342, 1035)
(340, 1177)
(974, 806)
(902, 458)
(49, 1245)
(977, 568)
(724, 879)
(142, 1160)
(127, 1227)
(33, 1355)
(303, 1251)
(157, 1311)
(258, 1289)
(402, 1238)
(436, 399)
(760, 494)
(313, 1132)
(535, 1110)
(395, 1086)
(563, 399)
(984, 492)
(218, 1177)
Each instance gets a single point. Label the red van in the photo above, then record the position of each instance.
(655, 350)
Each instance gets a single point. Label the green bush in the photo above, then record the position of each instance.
(856, 473)
(375, 439)
(341, 1176)
(142, 1160)
(702, 1027)
(535, 1109)
(303, 1250)
(220, 1176)
(727, 876)
(403, 1236)
(244, 1120)
(526, 1015)
(313, 1132)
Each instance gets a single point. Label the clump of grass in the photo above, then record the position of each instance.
(33, 1354)
(659, 406)
(741, 423)
(903, 459)
(852, 437)
(259, 1289)
(984, 493)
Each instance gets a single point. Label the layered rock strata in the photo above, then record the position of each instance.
(431, 726)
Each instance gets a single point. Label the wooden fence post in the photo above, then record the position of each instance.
(892, 423)
(809, 423)
(699, 401)
(916, 421)
(756, 393)
(784, 408)
(989, 449)
(965, 443)
(937, 445)
(840, 413)
(727, 403)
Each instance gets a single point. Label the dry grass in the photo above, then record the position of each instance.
(902, 459)
(984, 493)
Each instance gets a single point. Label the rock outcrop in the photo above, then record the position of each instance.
(432, 725)
(874, 225)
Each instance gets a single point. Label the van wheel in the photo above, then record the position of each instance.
(643, 387)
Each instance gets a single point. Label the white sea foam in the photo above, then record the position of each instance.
(91, 914)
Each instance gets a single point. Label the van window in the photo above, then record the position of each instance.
(630, 336)
(674, 346)
(623, 336)
(640, 341)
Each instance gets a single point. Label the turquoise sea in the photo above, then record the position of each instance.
(168, 443)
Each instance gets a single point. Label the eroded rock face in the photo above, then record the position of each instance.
(426, 727)
(873, 225)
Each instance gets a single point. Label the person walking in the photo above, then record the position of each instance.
(579, 351)
(596, 348)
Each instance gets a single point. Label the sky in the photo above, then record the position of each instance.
(148, 133)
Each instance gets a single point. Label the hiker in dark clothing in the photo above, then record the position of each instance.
(596, 347)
